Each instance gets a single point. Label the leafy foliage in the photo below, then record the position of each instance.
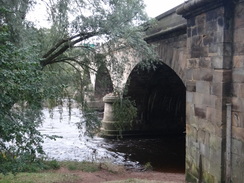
(125, 112)
(39, 65)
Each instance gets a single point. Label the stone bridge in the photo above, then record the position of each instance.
(197, 88)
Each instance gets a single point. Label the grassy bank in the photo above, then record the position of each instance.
(48, 173)
(77, 172)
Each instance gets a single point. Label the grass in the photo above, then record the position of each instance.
(137, 181)
(81, 166)
(38, 178)
(45, 173)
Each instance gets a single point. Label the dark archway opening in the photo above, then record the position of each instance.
(103, 83)
(160, 97)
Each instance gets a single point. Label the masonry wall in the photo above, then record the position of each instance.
(238, 97)
(208, 75)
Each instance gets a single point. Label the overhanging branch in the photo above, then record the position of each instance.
(62, 46)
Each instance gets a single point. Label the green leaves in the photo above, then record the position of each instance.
(22, 95)
(125, 112)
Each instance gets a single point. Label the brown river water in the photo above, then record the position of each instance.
(165, 154)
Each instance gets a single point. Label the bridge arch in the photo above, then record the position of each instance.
(160, 97)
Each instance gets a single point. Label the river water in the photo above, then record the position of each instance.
(164, 154)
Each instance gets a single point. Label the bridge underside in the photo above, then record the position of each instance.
(159, 95)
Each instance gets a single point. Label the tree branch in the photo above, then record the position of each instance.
(62, 46)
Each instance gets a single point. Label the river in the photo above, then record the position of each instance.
(164, 154)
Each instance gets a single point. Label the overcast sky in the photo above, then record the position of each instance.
(153, 8)
(157, 7)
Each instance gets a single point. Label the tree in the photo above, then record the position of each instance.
(28, 55)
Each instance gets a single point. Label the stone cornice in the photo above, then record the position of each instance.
(196, 7)
(166, 32)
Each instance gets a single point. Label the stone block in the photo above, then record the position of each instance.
(193, 63)
(208, 40)
(189, 74)
(238, 133)
(191, 86)
(239, 48)
(189, 97)
(210, 114)
(211, 16)
(191, 22)
(200, 111)
(227, 49)
(238, 119)
(221, 22)
(237, 168)
(188, 32)
(203, 87)
(198, 98)
(220, 116)
(236, 90)
(219, 36)
(195, 74)
(194, 31)
(211, 26)
(205, 62)
(238, 75)
(197, 50)
(238, 36)
(239, 16)
(206, 126)
(217, 62)
(238, 61)
(222, 75)
(213, 49)
(237, 147)
(209, 100)
(221, 89)
(227, 62)
(215, 144)
(206, 74)
(237, 104)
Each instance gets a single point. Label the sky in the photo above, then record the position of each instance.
(157, 7)
(153, 9)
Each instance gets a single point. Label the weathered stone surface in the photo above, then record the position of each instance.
(210, 114)
(237, 168)
(200, 112)
(192, 63)
(237, 104)
(237, 147)
(238, 133)
(211, 16)
(238, 75)
(206, 74)
(221, 75)
(205, 62)
(191, 86)
(189, 97)
(221, 89)
(203, 87)
(238, 61)
(239, 16)
(239, 48)
(238, 119)
(202, 57)
(217, 62)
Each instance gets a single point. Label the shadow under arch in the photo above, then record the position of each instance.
(103, 83)
(160, 97)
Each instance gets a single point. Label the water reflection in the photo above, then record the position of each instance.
(165, 154)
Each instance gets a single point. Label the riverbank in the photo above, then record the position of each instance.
(74, 172)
